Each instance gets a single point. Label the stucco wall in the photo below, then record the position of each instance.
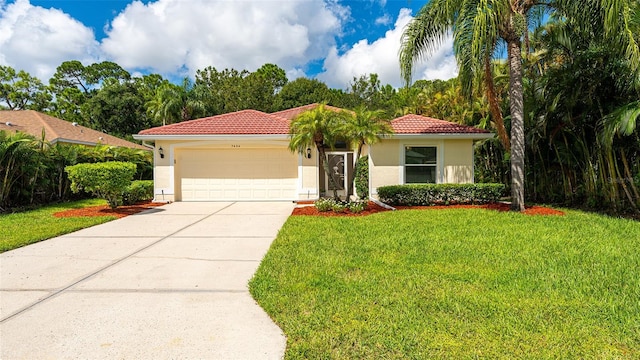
(163, 186)
(386, 161)
(383, 164)
(458, 161)
(309, 176)
(167, 174)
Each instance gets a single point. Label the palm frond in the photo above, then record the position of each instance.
(426, 33)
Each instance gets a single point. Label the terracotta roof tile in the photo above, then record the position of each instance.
(417, 124)
(290, 114)
(245, 122)
(253, 122)
(57, 130)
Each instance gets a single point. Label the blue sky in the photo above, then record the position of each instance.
(331, 40)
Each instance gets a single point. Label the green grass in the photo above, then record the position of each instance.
(455, 284)
(28, 227)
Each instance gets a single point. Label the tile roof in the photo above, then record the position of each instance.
(57, 130)
(253, 122)
(290, 114)
(244, 122)
(417, 124)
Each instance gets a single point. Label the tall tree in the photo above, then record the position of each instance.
(478, 26)
(74, 83)
(301, 91)
(21, 91)
(222, 89)
(262, 86)
(117, 109)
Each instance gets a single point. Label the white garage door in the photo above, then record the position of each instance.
(237, 174)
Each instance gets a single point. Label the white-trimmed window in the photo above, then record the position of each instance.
(420, 164)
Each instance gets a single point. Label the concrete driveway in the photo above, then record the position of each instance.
(169, 283)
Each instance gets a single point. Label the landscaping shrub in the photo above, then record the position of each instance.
(324, 204)
(339, 207)
(357, 206)
(362, 177)
(329, 204)
(440, 194)
(139, 190)
(105, 180)
(33, 170)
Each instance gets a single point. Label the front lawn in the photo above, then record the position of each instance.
(24, 228)
(455, 283)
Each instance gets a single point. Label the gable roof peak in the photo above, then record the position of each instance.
(419, 124)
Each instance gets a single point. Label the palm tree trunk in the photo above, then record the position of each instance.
(517, 124)
(352, 176)
(494, 107)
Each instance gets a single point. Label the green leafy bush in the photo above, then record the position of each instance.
(139, 190)
(33, 170)
(324, 204)
(339, 207)
(362, 177)
(357, 206)
(105, 180)
(440, 194)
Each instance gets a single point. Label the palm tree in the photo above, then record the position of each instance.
(363, 127)
(479, 25)
(316, 127)
(174, 103)
(18, 159)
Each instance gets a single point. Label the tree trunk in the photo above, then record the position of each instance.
(494, 107)
(517, 124)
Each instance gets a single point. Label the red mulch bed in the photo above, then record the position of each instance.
(375, 208)
(372, 208)
(105, 210)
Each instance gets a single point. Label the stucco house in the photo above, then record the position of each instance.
(244, 156)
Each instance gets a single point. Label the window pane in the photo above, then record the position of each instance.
(420, 155)
(419, 174)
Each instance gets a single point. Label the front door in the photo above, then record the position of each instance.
(336, 162)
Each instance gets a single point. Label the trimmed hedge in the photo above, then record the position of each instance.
(139, 190)
(362, 177)
(440, 194)
(106, 180)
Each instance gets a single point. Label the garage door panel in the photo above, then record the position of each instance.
(239, 174)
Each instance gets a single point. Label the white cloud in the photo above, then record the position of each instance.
(383, 20)
(381, 57)
(173, 35)
(37, 40)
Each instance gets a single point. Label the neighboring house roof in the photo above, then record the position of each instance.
(253, 122)
(244, 122)
(290, 114)
(417, 124)
(57, 130)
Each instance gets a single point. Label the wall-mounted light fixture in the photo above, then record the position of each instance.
(161, 152)
(308, 153)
